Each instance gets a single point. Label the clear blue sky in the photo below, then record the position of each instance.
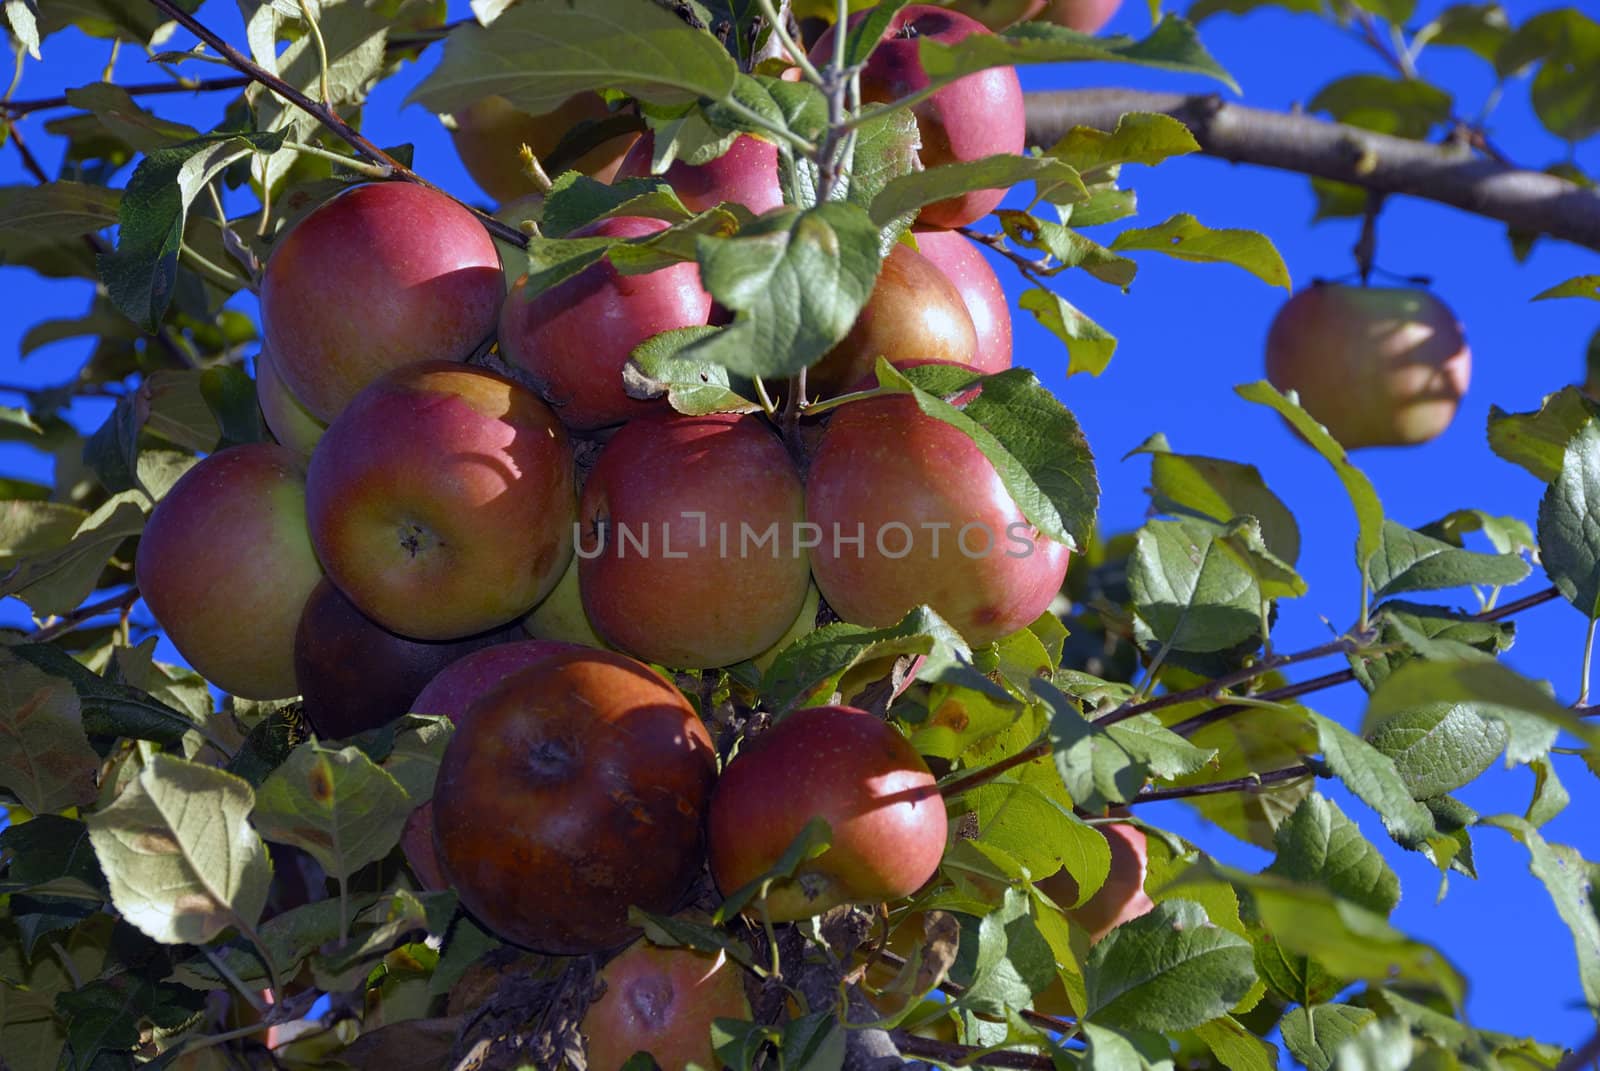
(1188, 334)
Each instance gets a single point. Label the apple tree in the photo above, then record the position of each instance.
(655, 622)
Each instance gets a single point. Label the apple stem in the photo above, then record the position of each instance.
(1366, 247)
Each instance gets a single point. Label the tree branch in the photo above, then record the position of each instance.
(1529, 201)
(1252, 783)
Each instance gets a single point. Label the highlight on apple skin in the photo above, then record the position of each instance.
(226, 564)
(964, 264)
(419, 266)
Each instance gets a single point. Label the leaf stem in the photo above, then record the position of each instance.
(273, 979)
(764, 400)
(791, 47)
(756, 119)
(64, 624)
(372, 171)
(1588, 659)
(219, 965)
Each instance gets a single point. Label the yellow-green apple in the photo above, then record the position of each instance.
(662, 1001)
(442, 501)
(450, 693)
(575, 789)
(691, 551)
(1121, 898)
(489, 135)
(850, 769)
(973, 117)
(575, 337)
(356, 675)
(1085, 16)
(940, 526)
(382, 275)
(965, 265)
(747, 174)
(559, 616)
(226, 563)
(290, 422)
(1378, 366)
(805, 622)
(915, 313)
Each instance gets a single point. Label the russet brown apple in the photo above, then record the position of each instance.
(662, 1001)
(747, 174)
(489, 135)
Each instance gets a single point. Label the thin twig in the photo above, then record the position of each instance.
(67, 622)
(1252, 783)
(204, 85)
(952, 1052)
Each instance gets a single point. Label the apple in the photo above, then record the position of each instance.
(940, 527)
(1121, 898)
(1085, 16)
(356, 675)
(576, 788)
(451, 693)
(662, 1001)
(489, 135)
(804, 623)
(290, 422)
(380, 276)
(747, 174)
(689, 552)
(996, 15)
(847, 767)
(225, 564)
(973, 117)
(441, 501)
(964, 264)
(559, 616)
(914, 313)
(1378, 366)
(575, 337)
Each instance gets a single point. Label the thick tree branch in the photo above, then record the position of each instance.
(1529, 201)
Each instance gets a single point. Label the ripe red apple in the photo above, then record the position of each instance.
(746, 174)
(662, 1001)
(381, 276)
(689, 553)
(489, 135)
(964, 264)
(575, 338)
(1379, 366)
(854, 771)
(451, 693)
(1121, 898)
(940, 527)
(973, 117)
(356, 675)
(576, 788)
(290, 422)
(441, 501)
(1085, 16)
(915, 313)
(225, 564)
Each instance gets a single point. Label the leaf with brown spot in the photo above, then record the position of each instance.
(340, 806)
(45, 759)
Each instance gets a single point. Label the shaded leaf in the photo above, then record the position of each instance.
(339, 806)
(46, 761)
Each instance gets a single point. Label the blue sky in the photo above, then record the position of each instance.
(1188, 333)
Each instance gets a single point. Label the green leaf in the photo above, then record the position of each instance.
(1409, 630)
(111, 709)
(1192, 594)
(177, 849)
(1260, 738)
(45, 761)
(337, 805)
(1407, 560)
(49, 855)
(670, 931)
(693, 387)
(1219, 491)
(1439, 747)
(812, 840)
(231, 396)
(1203, 9)
(20, 15)
(1104, 765)
(270, 742)
(1171, 969)
(1480, 28)
(1579, 286)
(795, 280)
(290, 938)
(538, 54)
(1405, 108)
(389, 922)
(141, 274)
(1068, 247)
(1314, 1033)
(576, 200)
(108, 1015)
(1089, 346)
(1123, 1050)
(1029, 817)
(1381, 1045)
(1053, 181)
(1318, 845)
(1186, 238)
(1235, 1047)
(886, 150)
(413, 760)
(1140, 138)
(1012, 960)
(1363, 496)
(1372, 776)
(121, 117)
(1569, 542)
(1537, 441)
(35, 218)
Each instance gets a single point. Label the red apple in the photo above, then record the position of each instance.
(356, 675)
(965, 265)
(381, 276)
(689, 554)
(451, 693)
(290, 422)
(575, 338)
(489, 135)
(662, 1001)
(940, 527)
(1085, 16)
(747, 174)
(847, 767)
(1121, 898)
(973, 117)
(915, 313)
(576, 788)
(441, 501)
(1378, 366)
(225, 564)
